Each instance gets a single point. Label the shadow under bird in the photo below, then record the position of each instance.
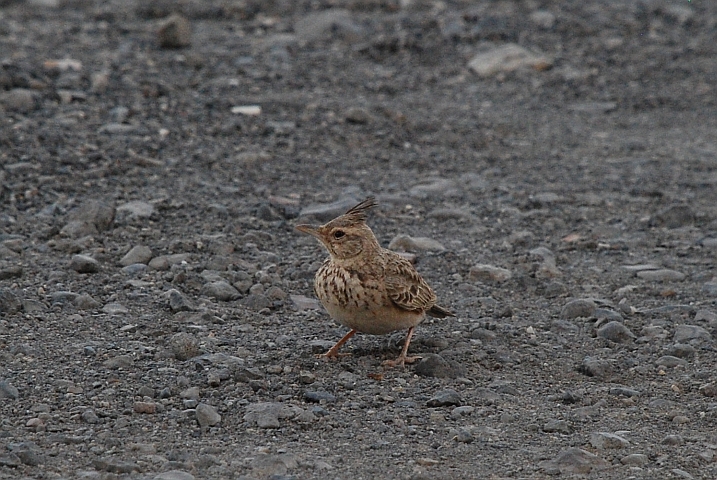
(367, 288)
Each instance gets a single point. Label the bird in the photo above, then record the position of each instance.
(366, 287)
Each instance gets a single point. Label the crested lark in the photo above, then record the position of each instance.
(367, 288)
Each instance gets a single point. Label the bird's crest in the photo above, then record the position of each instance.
(358, 214)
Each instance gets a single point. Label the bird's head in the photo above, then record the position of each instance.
(346, 236)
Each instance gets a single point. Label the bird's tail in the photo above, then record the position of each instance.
(440, 312)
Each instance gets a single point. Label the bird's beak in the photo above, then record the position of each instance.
(310, 229)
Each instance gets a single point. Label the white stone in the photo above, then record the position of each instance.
(508, 58)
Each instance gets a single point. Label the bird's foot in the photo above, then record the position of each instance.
(400, 361)
(334, 351)
(332, 355)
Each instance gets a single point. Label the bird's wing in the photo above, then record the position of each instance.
(405, 287)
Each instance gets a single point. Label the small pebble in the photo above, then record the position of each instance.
(207, 415)
(85, 302)
(19, 100)
(635, 459)
(404, 243)
(268, 414)
(248, 110)
(319, 396)
(616, 332)
(89, 416)
(35, 423)
(191, 393)
(175, 32)
(682, 473)
(145, 407)
(578, 308)
(100, 215)
(595, 367)
(460, 412)
(490, 273)
(681, 350)
(357, 116)
(710, 288)
(146, 391)
(9, 460)
(177, 301)
(674, 216)
(7, 390)
(10, 271)
(115, 309)
(134, 269)
(573, 461)
(221, 290)
(463, 436)
(276, 293)
(28, 453)
(164, 262)
(256, 302)
(84, 264)
(709, 389)
(554, 289)
(434, 365)
(661, 275)
(625, 392)
(445, 398)
(306, 416)
(689, 333)
(10, 302)
(669, 361)
(302, 302)
(607, 314)
(120, 361)
(134, 210)
(673, 440)
(507, 58)
(605, 440)
(558, 426)
(680, 419)
(138, 254)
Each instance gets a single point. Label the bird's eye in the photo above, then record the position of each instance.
(338, 234)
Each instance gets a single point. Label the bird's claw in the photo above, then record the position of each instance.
(332, 356)
(400, 361)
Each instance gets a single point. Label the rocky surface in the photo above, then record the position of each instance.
(550, 167)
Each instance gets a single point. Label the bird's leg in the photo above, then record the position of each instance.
(403, 359)
(334, 351)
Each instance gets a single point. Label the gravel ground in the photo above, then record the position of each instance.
(550, 166)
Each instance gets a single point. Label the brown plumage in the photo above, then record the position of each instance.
(365, 287)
